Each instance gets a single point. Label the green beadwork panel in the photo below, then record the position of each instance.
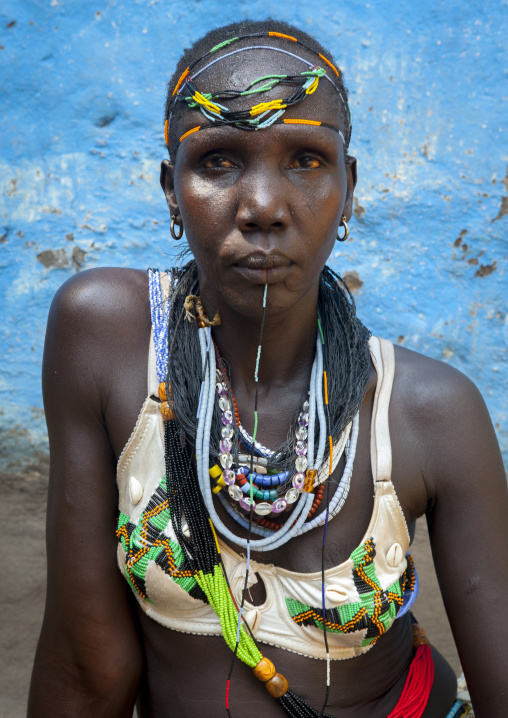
(375, 611)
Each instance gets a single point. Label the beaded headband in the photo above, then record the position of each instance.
(263, 114)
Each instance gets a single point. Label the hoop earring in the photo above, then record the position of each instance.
(172, 228)
(346, 233)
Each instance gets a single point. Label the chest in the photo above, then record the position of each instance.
(346, 530)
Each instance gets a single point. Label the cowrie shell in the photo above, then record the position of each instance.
(394, 555)
(135, 490)
(186, 530)
(336, 595)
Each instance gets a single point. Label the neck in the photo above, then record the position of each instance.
(287, 353)
(287, 346)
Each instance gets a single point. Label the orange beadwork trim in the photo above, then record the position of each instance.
(237, 413)
(182, 78)
(194, 129)
(302, 122)
(329, 63)
(166, 133)
(123, 532)
(281, 34)
(345, 628)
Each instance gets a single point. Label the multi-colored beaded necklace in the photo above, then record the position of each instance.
(188, 504)
(274, 492)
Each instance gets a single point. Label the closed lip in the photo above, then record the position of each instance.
(262, 260)
(263, 268)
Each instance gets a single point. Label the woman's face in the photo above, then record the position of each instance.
(261, 206)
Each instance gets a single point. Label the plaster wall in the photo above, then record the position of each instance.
(82, 91)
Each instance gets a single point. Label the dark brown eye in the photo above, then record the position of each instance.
(217, 162)
(305, 162)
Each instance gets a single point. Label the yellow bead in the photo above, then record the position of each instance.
(277, 686)
(265, 670)
(215, 471)
(166, 411)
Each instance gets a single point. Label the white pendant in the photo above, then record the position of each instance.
(135, 490)
(394, 555)
(336, 595)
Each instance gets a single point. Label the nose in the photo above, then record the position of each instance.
(263, 204)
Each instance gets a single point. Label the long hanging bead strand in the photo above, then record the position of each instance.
(275, 683)
(247, 568)
(330, 469)
(201, 546)
(291, 703)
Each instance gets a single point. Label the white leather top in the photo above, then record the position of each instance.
(140, 470)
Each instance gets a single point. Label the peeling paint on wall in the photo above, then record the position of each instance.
(81, 142)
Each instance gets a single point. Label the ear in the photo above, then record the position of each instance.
(351, 184)
(167, 179)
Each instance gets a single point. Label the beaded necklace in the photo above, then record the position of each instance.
(188, 494)
(268, 487)
(227, 478)
(304, 503)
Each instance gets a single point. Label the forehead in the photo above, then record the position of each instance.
(244, 64)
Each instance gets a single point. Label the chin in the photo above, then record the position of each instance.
(246, 299)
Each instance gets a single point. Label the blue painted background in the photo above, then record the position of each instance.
(82, 91)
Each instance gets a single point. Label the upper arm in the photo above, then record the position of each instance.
(89, 650)
(468, 527)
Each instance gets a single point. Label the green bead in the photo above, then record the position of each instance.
(273, 494)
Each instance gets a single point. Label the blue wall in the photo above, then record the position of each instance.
(82, 92)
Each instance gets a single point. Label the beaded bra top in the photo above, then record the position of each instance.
(363, 595)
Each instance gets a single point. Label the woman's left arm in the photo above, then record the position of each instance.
(468, 526)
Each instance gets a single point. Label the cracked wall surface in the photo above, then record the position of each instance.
(81, 139)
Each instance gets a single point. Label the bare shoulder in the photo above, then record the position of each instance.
(446, 418)
(102, 297)
(98, 327)
(428, 385)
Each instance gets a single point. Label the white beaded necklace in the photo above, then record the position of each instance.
(295, 524)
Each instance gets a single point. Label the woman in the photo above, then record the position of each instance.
(264, 393)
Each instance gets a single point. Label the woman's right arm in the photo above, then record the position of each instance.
(88, 659)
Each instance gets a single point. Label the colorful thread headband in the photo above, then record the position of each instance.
(263, 114)
(258, 116)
